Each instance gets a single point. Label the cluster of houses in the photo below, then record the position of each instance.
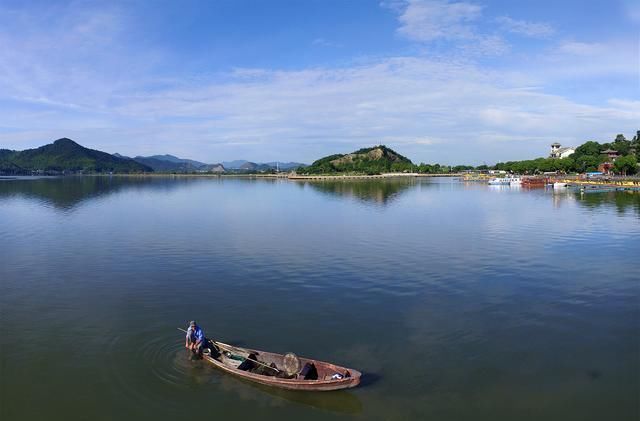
(558, 152)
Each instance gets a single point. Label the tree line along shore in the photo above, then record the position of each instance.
(64, 156)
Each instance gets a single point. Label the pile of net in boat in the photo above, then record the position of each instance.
(249, 364)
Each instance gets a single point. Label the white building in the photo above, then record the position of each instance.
(558, 152)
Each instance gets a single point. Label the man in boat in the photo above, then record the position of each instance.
(195, 340)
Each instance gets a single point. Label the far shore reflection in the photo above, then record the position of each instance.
(67, 193)
(375, 191)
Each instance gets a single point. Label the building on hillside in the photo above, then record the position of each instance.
(605, 167)
(558, 152)
(612, 155)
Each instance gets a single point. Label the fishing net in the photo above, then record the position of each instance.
(291, 364)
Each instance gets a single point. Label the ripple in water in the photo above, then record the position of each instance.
(158, 370)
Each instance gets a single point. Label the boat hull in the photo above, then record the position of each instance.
(535, 182)
(351, 377)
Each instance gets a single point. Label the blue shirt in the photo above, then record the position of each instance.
(195, 334)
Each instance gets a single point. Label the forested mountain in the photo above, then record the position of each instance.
(65, 155)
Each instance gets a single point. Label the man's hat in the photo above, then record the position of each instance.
(192, 323)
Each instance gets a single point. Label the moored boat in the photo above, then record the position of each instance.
(286, 371)
(498, 182)
(505, 181)
(515, 181)
(532, 182)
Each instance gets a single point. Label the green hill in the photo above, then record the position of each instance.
(374, 160)
(65, 155)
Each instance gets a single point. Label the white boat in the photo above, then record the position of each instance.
(505, 181)
(515, 180)
(498, 182)
(559, 185)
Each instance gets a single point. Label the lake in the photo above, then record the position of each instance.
(457, 301)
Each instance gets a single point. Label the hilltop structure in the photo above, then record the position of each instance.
(558, 152)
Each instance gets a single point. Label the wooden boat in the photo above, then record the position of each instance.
(283, 371)
(535, 182)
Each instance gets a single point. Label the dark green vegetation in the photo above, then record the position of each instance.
(375, 160)
(586, 158)
(65, 156)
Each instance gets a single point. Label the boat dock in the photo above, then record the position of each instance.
(601, 185)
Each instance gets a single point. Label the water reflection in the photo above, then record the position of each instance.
(623, 201)
(66, 193)
(464, 302)
(378, 191)
(69, 192)
(340, 401)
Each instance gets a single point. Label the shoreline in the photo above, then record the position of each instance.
(622, 182)
(285, 176)
(363, 176)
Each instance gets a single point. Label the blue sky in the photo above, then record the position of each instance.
(439, 81)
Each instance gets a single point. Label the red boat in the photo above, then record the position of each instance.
(533, 182)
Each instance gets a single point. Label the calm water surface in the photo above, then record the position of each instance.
(457, 301)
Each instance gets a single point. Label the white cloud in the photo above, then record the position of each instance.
(88, 83)
(530, 29)
(433, 110)
(581, 48)
(573, 60)
(68, 55)
(489, 45)
(428, 20)
(321, 42)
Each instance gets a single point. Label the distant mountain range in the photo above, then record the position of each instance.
(170, 163)
(173, 164)
(66, 156)
(242, 164)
